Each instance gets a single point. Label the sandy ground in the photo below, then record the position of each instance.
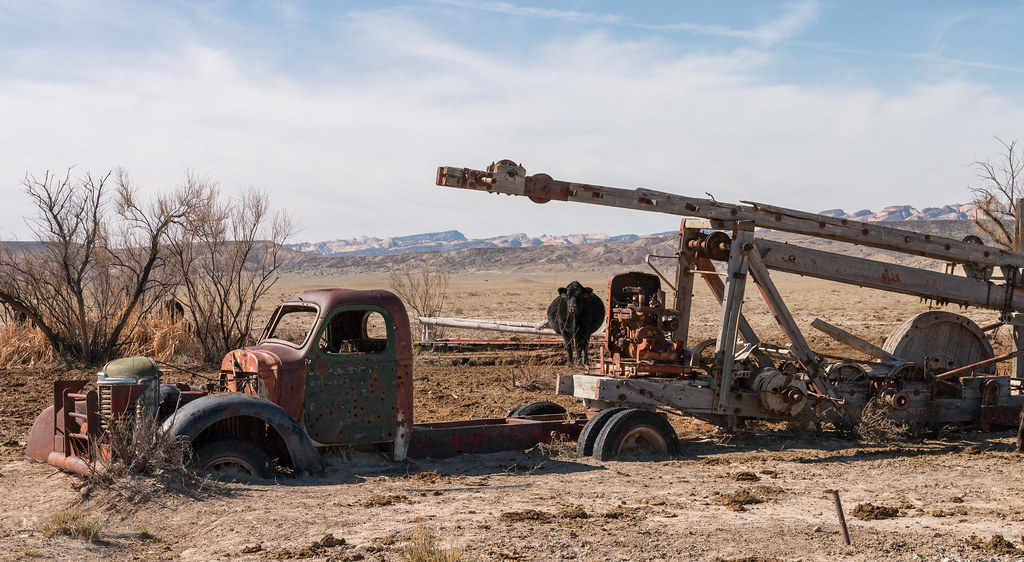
(757, 495)
(949, 498)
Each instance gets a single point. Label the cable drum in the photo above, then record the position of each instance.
(780, 393)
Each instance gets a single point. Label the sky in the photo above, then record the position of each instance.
(341, 111)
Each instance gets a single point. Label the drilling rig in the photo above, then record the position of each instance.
(936, 368)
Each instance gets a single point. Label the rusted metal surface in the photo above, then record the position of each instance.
(979, 365)
(842, 518)
(999, 416)
(341, 398)
(445, 439)
(192, 419)
(748, 378)
(638, 321)
(509, 178)
(42, 436)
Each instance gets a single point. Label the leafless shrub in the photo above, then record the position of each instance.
(143, 459)
(532, 371)
(424, 289)
(96, 261)
(226, 255)
(877, 425)
(997, 189)
(559, 447)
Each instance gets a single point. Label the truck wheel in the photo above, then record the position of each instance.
(636, 431)
(234, 457)
(540, 408)
(591, 429)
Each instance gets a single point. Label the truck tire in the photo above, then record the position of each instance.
(591, 429)
(540, 408)
(233, 458)
(636, 431)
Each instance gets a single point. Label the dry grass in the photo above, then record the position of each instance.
(160, 337)
(163, 338)
(25, 346)
(72, 523)
(877, 425)
(534, 371)
(426, 547)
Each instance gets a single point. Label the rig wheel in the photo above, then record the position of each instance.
(233, 458)
(591, 429)
(636, 431)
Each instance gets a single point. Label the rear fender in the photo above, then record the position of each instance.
(42, 439)
(192, 419)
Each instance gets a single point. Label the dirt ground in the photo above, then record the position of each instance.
(758, 495)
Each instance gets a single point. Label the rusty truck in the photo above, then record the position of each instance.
(332, 367)
(937, 367)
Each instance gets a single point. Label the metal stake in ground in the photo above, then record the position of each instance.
(842, 518)
(1020, 432)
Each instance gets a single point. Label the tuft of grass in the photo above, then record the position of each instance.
(144, 534)
(72, 523)
(33, 553)
(426, 547)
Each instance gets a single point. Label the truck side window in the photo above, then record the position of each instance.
(355, 331)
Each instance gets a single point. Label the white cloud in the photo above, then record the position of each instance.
(356, 155)
(546, 13)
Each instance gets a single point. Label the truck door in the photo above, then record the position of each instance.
(351, 384)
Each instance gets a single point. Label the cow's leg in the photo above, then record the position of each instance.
(579, 351)
(567, 342)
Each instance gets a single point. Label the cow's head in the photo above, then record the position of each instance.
(573, 294)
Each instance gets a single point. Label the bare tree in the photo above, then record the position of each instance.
(424, 289)
(995, 193)
(95, 262)
(226, 255)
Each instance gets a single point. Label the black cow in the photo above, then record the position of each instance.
(575, 314)
(172, 309)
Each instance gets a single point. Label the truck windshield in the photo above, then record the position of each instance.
(292, 324)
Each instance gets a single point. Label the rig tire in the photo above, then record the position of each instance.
(635, 430)
(591, 429)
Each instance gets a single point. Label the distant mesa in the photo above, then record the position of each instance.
(908, 213)
(451, 240)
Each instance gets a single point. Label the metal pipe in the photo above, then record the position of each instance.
(842, 518)
(979, 364)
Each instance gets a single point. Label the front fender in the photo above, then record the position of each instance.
(198, 415)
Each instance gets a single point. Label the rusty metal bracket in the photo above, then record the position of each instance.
(541, 188)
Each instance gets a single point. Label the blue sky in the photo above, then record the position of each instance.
(341, 111)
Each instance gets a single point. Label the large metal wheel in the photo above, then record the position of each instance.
(591, 429)
(639, 432)
(940, 341)
(232, 458)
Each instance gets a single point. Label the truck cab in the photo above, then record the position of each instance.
(338, 361)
